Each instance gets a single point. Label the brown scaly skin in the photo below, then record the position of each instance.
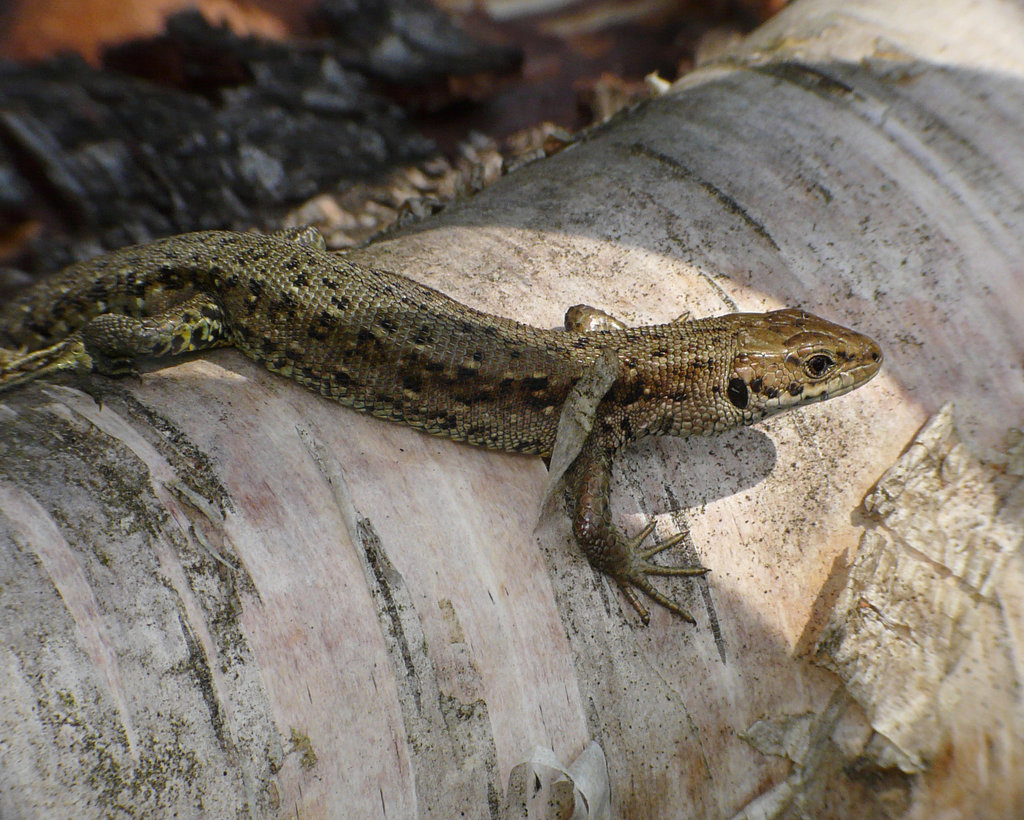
(389, 346)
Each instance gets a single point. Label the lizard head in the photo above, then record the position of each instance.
(789, 358)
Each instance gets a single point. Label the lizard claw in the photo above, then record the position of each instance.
(634, 576)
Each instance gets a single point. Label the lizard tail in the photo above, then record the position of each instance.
(68, 354)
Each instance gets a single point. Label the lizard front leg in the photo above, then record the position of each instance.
(584, 319)
(605, 547)
(112, 343)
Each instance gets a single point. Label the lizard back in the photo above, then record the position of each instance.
(372, 340)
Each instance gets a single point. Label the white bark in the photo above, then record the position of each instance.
(223, 594)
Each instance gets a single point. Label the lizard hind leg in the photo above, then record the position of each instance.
(112, 343)
(116, 341)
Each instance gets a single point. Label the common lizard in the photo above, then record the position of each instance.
(384, 344)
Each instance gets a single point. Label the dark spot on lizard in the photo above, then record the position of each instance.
(342, 378)
(478, 356)
(305, 375)
(342, 302)
(301, 280)
(529, 445)
(463, 372)
(582, 342)
(166, 274)
(737, 393)
(364, 336)
(424, 336)
(445, 421)
(386, 323)
(629, 393)
(626, 425)
(757, 384)
(771, 392)
(136, 287)
(540, 401)
(795, 388)
(255, 287)
(481, 394)
(328, 283)
(198, 336)
(658, 354)
(536, 383)
(177, 344)
(413, 383)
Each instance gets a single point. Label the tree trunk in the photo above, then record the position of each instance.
(226, 596)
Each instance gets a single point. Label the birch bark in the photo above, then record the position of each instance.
(225, 596)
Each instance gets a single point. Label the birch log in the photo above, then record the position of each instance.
(225, 596)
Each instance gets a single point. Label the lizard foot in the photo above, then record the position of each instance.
(634, 576)
(70, 354)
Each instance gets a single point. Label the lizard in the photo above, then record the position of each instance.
(384, 344)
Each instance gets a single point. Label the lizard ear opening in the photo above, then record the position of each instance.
(738, 393)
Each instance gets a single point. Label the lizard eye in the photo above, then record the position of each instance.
(818, 365)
